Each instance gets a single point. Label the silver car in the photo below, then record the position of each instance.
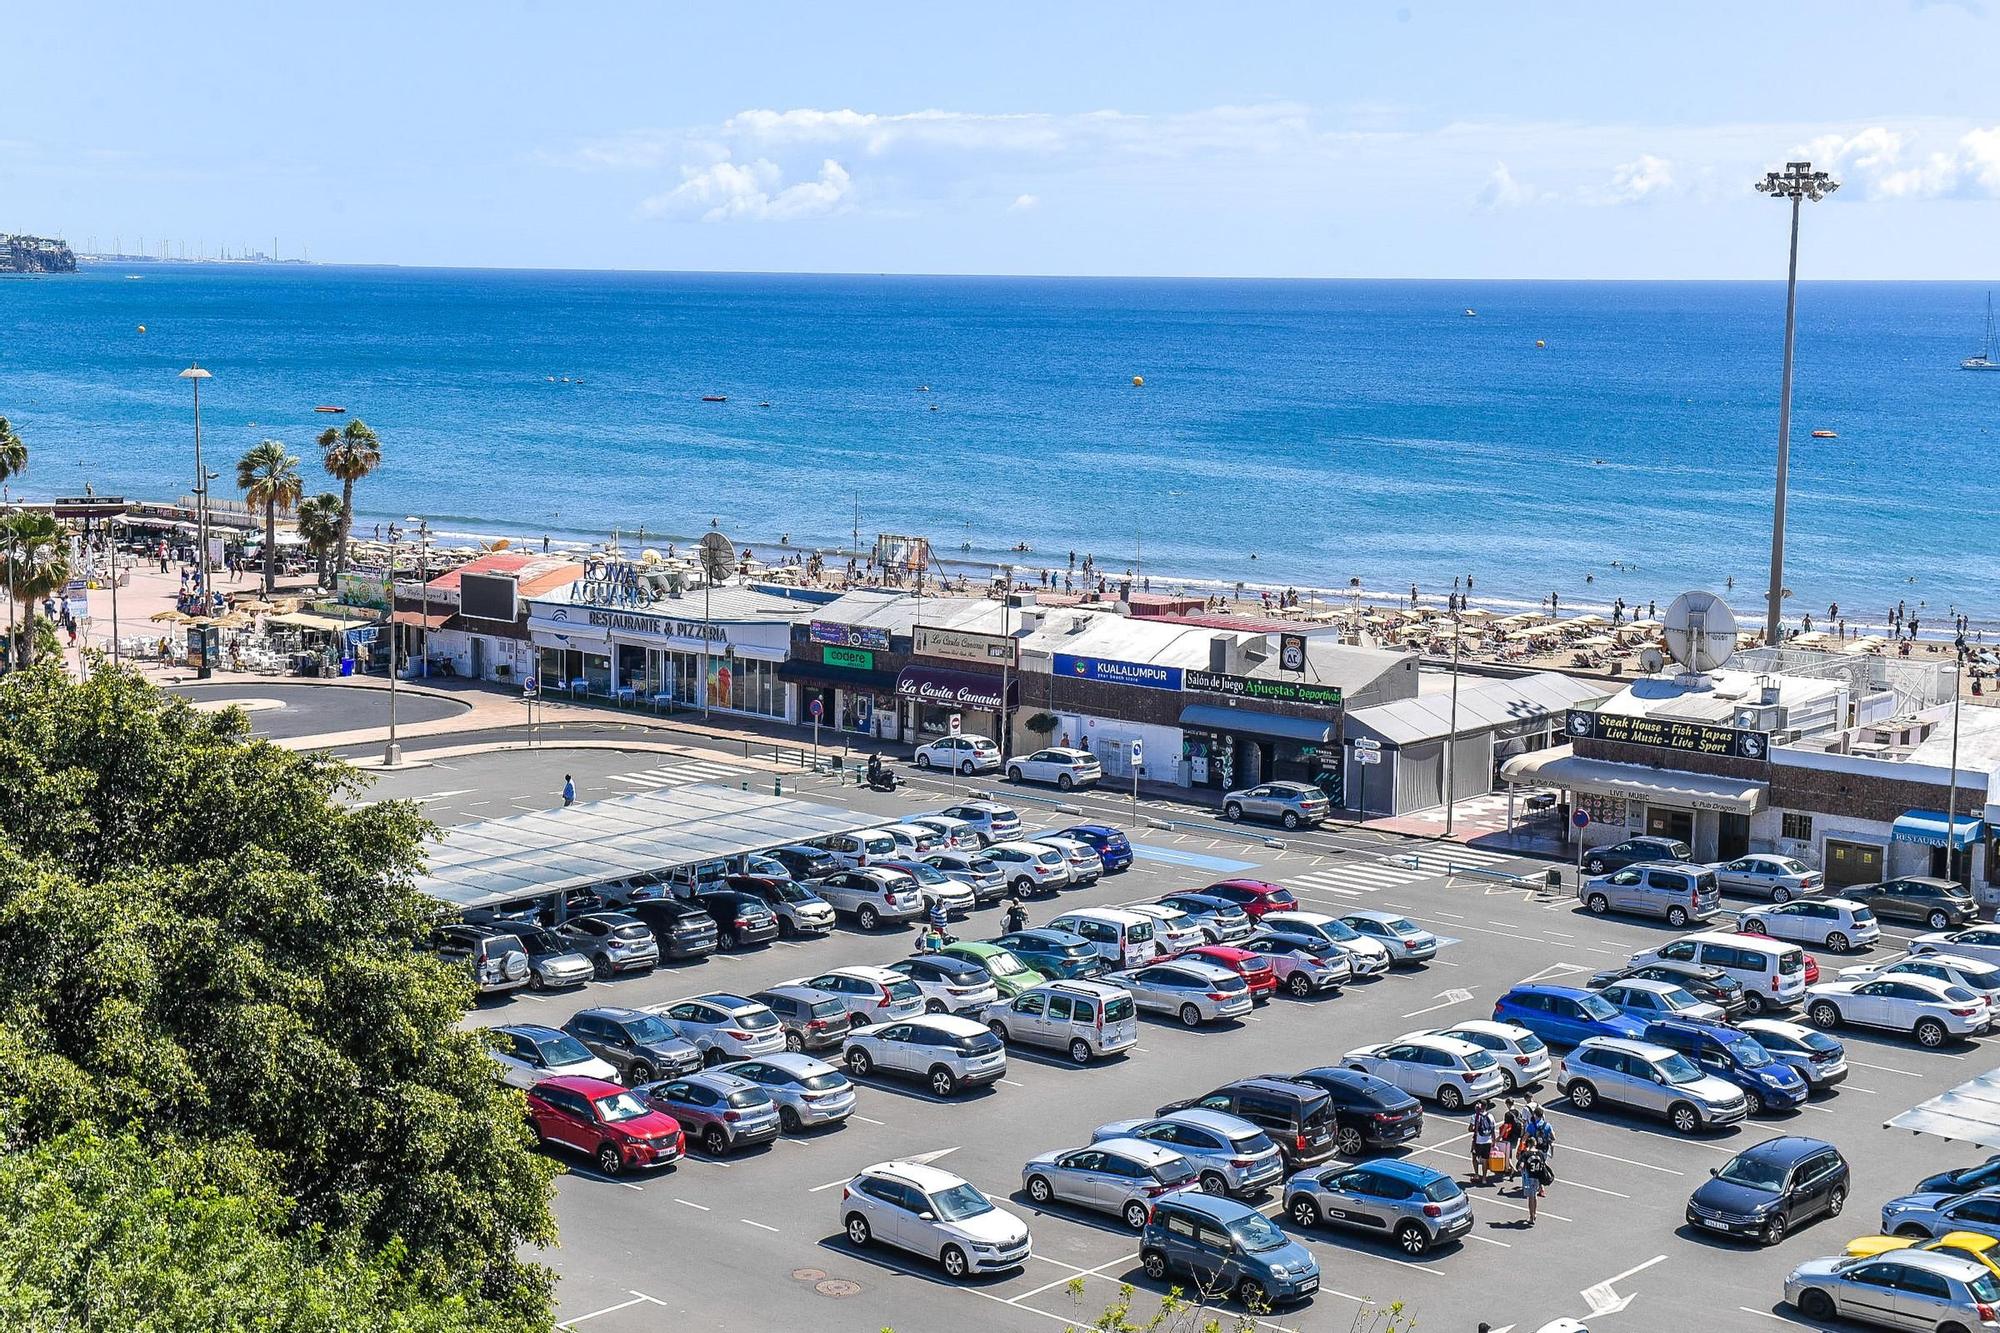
(1927, 1289)
(1117, 1176)
(1221, 921)
(1925, 1216)
(613, 942)
(949, 1054)
(1648, 1078)
(1193, 991)
(991, 821)
(972, 869)
(935, 887)
(869, 994)
(718, 1110)
(1672, 890)
(1304, 965)
(723, 1026)
(496, 960)
(871, 896)
(1086, 867)
(1415, 1206)
(1817, 1058)
(1768, 875)
(1289, 803)
(1230, 1155)
(808, 1092)
(1407, 942)
(799, 910)
(1030, 867)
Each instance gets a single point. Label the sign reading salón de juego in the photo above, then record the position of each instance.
(1667, 734)
(1267, 691)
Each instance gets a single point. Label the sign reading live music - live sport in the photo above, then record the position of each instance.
(1667, 734)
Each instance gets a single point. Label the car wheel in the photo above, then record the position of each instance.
(1836, 1201)
(943, 1082)
(965, 769)
(1838, 942)
(1300, 985)
(1064, 782)
(1079, 1051)
(1824, 1015)
(1582, 1096)
(638, 1072)
(933, 1006)
(1013, 775)
(1755, 1101)
(856, 1021)
(858, 1063)
(609, 1160)
(1252, 1294)
(541, 1139)
(535, 981)
(600, 967)
(1155, 1265)
(1781, 894)
(712, 1057)
(788, 1120)
(867, 917)
(1937, 921)
(1755, 1002)
(1816, 1304)
(858, 1230)
(1913, 1232)
(1752, 925)
(1677, 917)
(795, 1043)
(1040, 1190)
(1594, 866)
(1213, 1183)
(1598, 904)
(716, 1140)
(1232, 811)
(1450, 1098)
(998, 1029)
(1190, 1016)
(954, 1262)
(1136, 1214)
(1304, 1211)
(1930, 1033)
(728, 939)
(923, 760)
(1290, 821)
(1412, 1239)
(1024, 886)
(1348, 1142)
(1684, 1118)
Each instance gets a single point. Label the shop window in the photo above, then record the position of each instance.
(1795, 827)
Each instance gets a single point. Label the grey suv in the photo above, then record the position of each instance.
(1226, 1247)
(613, 942)
(1648, 847)
(1413, 1205)
(1937, 903)
(497, 962)
(1649, 1078)
(1676, 891)
(722, 1111)
(639, 1045)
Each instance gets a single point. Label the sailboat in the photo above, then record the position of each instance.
(1984, 361)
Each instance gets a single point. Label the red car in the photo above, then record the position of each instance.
(1254, 896)
(612, 1126)
(1254, 968)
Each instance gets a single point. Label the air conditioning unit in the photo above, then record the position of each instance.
(1256, 650)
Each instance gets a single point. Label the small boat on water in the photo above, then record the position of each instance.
(329, 408)
(1984, 361)
(1825, 435)
(1470, 313)
(715, 398)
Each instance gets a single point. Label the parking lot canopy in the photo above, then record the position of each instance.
(1968, 1113)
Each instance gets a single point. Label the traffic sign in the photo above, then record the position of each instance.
(1367, 756)
(1581, 819)
(1366, 743)
(955, 724)
(1138, 751)
(817, 709)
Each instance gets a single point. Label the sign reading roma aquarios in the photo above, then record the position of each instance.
(1667, 734)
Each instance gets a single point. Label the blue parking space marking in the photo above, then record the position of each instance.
(1145, 851)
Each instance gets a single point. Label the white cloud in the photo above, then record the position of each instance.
(1878, 163)
(1024, 203)
(1642, 179)
(753, 191)
(1502, 191)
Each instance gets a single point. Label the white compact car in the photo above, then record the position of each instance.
(946, 1053)
(1086, 867)
(955, 832)
(1931, 1011)
(1979, 978)
(960, 754)
(1407, 943)
(1449, 1071)
(933, 1213)
(1979, 943)
(869, 994)
(1521, 1055)
(1057, 766)
(1839, 924)
(1030, 867)
(1370, 956)
(1174, 930)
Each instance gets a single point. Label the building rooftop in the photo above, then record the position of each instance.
(1714, 698)
(1481, 704)
(537, 574)
(900, 612)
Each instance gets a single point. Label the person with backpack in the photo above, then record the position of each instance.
(1536, 1174)
(1482, 1142)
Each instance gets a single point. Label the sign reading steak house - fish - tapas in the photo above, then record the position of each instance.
(1667, 734)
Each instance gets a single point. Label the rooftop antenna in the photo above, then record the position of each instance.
(1700, 632)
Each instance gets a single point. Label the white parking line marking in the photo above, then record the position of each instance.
(698, 1207)
(1780, 1318)
(1489, 1240)
(1456, 917)
(638, 1298)
(1863, 1064)
(603, 1180)
(866, 1121)
(834, 1184)
(1610, 1157)
(759, 1225)
(1012, 1084)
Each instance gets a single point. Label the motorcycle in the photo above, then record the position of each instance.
(881, 780)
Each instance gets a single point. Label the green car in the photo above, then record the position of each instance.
(1010, 975)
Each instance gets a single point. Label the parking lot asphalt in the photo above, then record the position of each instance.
(754, 1240)
(283, 711)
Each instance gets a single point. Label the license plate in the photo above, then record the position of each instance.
(1404, 1132)
(1310, 1284)
(1714, 1226)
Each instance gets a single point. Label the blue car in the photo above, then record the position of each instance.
(1734, 1057)
(1111, 846)
(1565, 1015)
(1055, 953)
(1226, 1247)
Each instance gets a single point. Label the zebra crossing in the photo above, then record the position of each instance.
(681, 773)
(1356, 879)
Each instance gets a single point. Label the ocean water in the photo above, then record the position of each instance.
(1287, 432)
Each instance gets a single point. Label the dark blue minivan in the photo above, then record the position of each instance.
(1735, 1057)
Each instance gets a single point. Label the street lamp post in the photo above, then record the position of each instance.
(393, 754)
(1451, 735)
(197, 375)
(423, 577)
(1798, 182)
(113, 534)
(1951, 792)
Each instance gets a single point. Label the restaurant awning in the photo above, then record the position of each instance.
(1968, 1113)
(314, 621)
(419, 620)
(1212, 717)
(1928, 827)
(1560, 767)
(953, 689)
(822, 674)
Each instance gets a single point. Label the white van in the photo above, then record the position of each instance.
(856, 850)
(1121, 938)
(1773, 973)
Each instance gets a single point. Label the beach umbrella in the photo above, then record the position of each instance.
(168, 618)
(1588, 618)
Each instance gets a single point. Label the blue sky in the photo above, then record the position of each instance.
(1340, 138)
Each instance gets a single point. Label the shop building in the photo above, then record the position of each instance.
(476, 616)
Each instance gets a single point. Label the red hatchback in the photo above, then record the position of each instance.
(1254, 968)
(1254, 896)
(612, 1126)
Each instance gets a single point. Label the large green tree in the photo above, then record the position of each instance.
(13, 452)
(34, 564)
(350, 454)
(209, 952)
(319, 529)
(269, 479)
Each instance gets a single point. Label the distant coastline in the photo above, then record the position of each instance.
(35, 254)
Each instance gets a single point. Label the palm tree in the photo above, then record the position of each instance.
(350, 455)
(319, 527)
(268, 476)
(34, 557)
(13, 452)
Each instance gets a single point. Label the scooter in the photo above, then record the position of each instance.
(881, 780)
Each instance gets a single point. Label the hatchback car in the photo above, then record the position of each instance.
(964, 755)
(1564, 1015)
(948, 1054)
(552, 961)
(741, 917)
(937, 889)
(1765, 1191)
(1768, 875)
(639, 1045)
(1113, 848)
(1938, 904)
(1230, 1155)
(1677, 892)
(1011, 976)
(1521, 1055)
(808, 1093)
(914, 840)
(811, 1021)
(863, 847)
(991, 821)
(1451, 1072)
(1173, 930)
(1647, 1000)
(1219, 920)
(1194, 992)
(1087, 1019)
(1979, 943)
(1406, 942)
(1933, 1012)
(1122, 1177)
(1303, 965)
(495, 959)
(799, 910)
(1648, 1078)
(870, 994)
(1030, 869)
(1980, 978)
(1294, 1114)
(1368, 956)
(872, 896)
(1226, 1246)
(1711, 985)
(724, 1026)
(950, 985)
(1054, 953)
(804, 862)
(1905, 1289)
(1085, 866)
(1058, 767)
(974, 870)
(721, 1111)
(1414, 1206)
(1256, 897)
(527, 1053)
(1839, 924)
(681, 929)
(614, 1128)
(1817, 1058)
(1291, 804)
(1602, 860)
(933, 1213)
(1927, 1215)
(1368, 1112)
(1253, 967)
(614, 942)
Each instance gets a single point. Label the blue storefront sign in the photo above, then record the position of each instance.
(1142, 674)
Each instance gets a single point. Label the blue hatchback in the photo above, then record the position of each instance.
(1112, 847)
(1735, 1057)
(1565, 1015)
(1227, 1247)
(1055, 953)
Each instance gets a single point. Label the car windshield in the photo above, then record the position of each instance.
(978, 1043)
(1478, 1060)
(1959, 995)
(562, 1049)
(1751, 1170)
(759, 1019)
(1679, 1069)
(649, 1030)
(1117, 1009)
(1984, 1289)
(1748, 1053)
(791, 891)
(1787, 866)
(745, 1098)
(1790, 961)
(826, 1082)
(1256, 1234)
(958, 1203)
(1338, 930)
(1174, 1174)
(1442, 1190)
(1530, 1043)
(1402, 927)
(904, 990)
(632, 932)
(1139, 932)
(622, 1106)
(1862, 916)
(1596, 1007)
(1003, 965)
(923, 873)
(828, 1008)
(1818, 1041)
(1250, 1142)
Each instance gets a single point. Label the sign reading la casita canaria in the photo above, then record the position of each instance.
(1267, 691)
(1667, 734)
(956, 689)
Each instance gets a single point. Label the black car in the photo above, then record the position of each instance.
(1764, 1191)
(805, 862)
(1647, 847)
(639, 1044)
(1296, 1116)
(1711, 985)
(1368, 1112)
(1937, 903)
(741, 917)
(811, 1021)
(683, 929)
(1962, 1181)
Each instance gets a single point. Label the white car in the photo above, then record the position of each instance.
(1030, 867)
(1979, 943)
(869, 994)
(529, 1053)
(865, 848)
(1768, 875)
(933, 1213)
(1839, 924)
(944, 1051)
(1450, 1071)
(1174, 930)
(957, 834)
(1057, 766)
(1521, 1055)
(950, 985)
(1370, 957)
(1086, 867)
(960, 754)
(914, 840)
(936, 887)
(1931, 1011)
(1405, 941)
(1980, 978)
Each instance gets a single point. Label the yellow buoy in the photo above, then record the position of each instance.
(1138, 381)
(142, 328)
(1540, 343)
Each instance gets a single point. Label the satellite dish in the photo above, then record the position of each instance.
(1700, 631)
(718, 556)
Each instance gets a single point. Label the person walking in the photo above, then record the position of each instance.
(1536, 1176)
(935, 915)
(1482, 1142)
(569, 790)
(1017, 915)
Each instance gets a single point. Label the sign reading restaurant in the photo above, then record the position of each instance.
(1667, 734)
(849, 636)
(665, 627)
(958, 645)
(1265, 691)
